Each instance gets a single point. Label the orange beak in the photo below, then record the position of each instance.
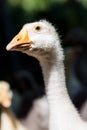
(20, 42)
(5, 101)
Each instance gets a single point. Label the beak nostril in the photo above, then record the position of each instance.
(18, 39)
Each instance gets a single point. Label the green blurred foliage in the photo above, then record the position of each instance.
(29, 5)
(66, 14)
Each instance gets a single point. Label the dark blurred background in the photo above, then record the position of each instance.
(23, 72)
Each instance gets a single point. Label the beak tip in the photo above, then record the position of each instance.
(8, 48)
(7, 104)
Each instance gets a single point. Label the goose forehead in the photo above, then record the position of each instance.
(40, 23)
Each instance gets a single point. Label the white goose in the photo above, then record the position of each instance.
(40, 39)
(7, 120)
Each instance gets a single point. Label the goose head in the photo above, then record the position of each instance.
(36, 39)
(5, 94)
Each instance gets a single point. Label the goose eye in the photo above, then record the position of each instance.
(37, 28)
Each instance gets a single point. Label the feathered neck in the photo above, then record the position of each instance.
(9, 121)
(61, 109)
